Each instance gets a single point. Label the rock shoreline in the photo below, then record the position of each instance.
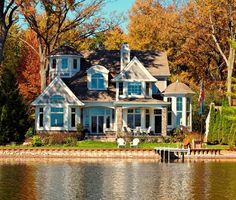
(99, 153)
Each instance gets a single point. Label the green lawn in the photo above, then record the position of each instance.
(98, 144)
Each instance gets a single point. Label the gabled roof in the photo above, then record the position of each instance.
(178, 88)
(135, 71)
(154, 61)
(65, 50)
(57, 86)
(78, 85)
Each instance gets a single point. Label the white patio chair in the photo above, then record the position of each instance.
(137, 130)
(134, 143)
(120, 142)
(148, 130)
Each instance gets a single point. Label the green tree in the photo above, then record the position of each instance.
(14, 119)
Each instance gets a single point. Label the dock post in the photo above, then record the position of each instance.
(168, 156)
(182, 157)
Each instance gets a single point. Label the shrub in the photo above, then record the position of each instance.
(80, 132)
(70, 141)
(59, 138)
(30, 132)
(36, 141)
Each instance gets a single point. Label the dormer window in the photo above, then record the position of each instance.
(64, 63)
(134, 88)
(74, 63)
(97, 78)
(97, 81)
(54, 64)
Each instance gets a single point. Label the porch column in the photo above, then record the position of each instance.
(164, 122)
(184, 115)
(119, 121)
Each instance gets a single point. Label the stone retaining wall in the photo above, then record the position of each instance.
(79, 153)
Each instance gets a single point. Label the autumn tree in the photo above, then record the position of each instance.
(7, 18)
(28, 67)
(222, 17)
(55, 18)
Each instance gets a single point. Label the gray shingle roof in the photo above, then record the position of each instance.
(154, 61)
(178, 88)
(65, 50)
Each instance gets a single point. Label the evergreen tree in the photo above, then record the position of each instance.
(14, 119)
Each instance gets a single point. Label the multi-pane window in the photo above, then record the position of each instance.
(57, 117)
(56, 98)
(40, 117)
(97, 81)
(134, 118)
(147, 89)
(73, 114)
(64, 63)
(120, 88)
(169, 110)
(134, 88)
(54, 63)
(188, 109)
(75, 63)
(179, 108)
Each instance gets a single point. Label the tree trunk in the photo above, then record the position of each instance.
(43, 64)
(43, 70)
(3, 34)
(230, 67)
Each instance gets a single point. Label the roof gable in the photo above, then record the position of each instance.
(135, 71)
(57, 87)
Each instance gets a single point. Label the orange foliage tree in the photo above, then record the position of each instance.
(28, 70)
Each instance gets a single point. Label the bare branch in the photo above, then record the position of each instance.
(216, 41)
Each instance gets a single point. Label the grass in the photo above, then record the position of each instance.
(87, 144)
(217, 146)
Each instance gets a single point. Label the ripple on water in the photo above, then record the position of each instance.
(117, 179)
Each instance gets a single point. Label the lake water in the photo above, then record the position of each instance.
(116, 179)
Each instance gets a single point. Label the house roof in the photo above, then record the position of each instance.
(78, 85)
(57, 86)
(154, 61)
(135, 71)
(178, 88)
(65, 50)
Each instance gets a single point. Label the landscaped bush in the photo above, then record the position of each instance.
(37, 141)
(222, 127)
(70, 141)
(30, 132)
(59, 139)
(80, 132)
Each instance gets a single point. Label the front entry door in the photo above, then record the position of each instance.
(157, 124)
(97, 124)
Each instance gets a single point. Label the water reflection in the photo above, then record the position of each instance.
(116, 179)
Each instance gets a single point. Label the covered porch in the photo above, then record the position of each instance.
(142, 118)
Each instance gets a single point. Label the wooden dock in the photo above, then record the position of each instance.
(167, 152)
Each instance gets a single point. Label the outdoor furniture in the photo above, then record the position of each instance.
(120, 142)
(128, 130)
(137, 130)
(134, 143)
(146, 131)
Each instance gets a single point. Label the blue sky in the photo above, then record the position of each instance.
(119, 6)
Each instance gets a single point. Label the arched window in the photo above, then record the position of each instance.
(97, 81)
(57, 98)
